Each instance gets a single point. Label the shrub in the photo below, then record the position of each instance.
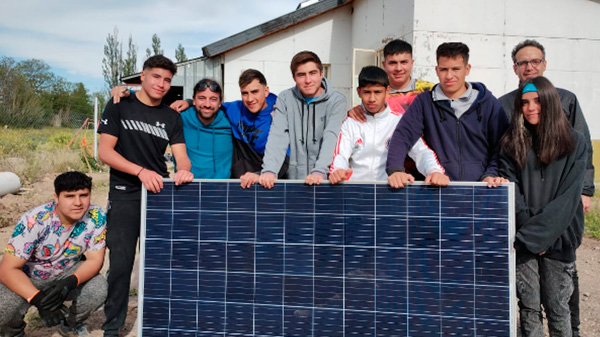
(592, 219)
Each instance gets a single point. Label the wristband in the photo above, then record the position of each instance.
(32, 296)
(138, 174)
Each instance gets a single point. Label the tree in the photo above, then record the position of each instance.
(79, 105)
(180, 54)
(101, 99)
(31, 95)
(156, 45)
(112, 63)
(80, 100)
(37, 74)
(130, 62)
(148, 53)
(20, 104)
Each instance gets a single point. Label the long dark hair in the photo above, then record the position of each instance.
(554, 137)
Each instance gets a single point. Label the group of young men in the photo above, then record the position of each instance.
(450, 130)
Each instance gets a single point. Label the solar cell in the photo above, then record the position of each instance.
(343, 260)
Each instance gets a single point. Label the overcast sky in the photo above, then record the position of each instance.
(69, 35)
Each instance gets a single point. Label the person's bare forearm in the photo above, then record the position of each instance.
(91, 266)
(13, 277)
(113, 159)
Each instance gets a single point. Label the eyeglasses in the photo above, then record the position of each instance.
(534, 63)
(213, 86)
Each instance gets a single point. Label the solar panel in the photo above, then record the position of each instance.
(344, 260)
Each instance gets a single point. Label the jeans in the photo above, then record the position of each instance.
(574, 304)
(544, 281)
(122, 232)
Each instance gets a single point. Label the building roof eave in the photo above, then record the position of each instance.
(272, 26)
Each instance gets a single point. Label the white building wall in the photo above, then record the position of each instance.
(376, 22)
(569, 30)
(326, 35)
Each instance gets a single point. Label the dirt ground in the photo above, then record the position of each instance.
(13, 206)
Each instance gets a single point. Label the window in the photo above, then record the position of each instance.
(362, 58)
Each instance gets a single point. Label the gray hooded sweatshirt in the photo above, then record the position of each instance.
(310, 130)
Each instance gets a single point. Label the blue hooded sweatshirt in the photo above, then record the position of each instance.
(248, 127)
(250, 133)
(209, 147)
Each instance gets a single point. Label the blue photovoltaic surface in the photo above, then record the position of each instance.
(347, 260)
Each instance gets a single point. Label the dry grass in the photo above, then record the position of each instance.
(34, 153)
(37, 164)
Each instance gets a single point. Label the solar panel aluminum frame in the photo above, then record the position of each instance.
(510, 249)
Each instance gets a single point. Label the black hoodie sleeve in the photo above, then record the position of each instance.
(508, 169)
(571, 106)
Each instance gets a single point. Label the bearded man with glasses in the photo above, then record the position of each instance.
(529, 61)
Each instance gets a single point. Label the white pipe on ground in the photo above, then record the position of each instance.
(9, 183)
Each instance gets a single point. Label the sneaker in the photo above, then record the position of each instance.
(68, 331)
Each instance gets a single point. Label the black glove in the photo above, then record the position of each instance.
(49, 317)
(59, 292)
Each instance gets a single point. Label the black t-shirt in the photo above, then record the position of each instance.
(144, 133)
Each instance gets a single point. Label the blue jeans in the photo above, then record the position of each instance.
(544, 281)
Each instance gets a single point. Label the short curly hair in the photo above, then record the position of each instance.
(527, 43)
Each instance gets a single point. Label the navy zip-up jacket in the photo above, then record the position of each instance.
(467, 147)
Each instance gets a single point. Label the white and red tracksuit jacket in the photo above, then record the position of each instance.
(363, 147)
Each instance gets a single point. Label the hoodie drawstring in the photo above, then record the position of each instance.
(213, 149)
(302, 125)
(442, 115)
(314, 125)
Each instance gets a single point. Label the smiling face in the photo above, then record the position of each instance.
(373, 97)
(523, 66)
(254, 96)
(156, 82)
(398, 68)
(531, 107)
(72, 205)
(308, 79)
(452, 73)
(207, 104)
